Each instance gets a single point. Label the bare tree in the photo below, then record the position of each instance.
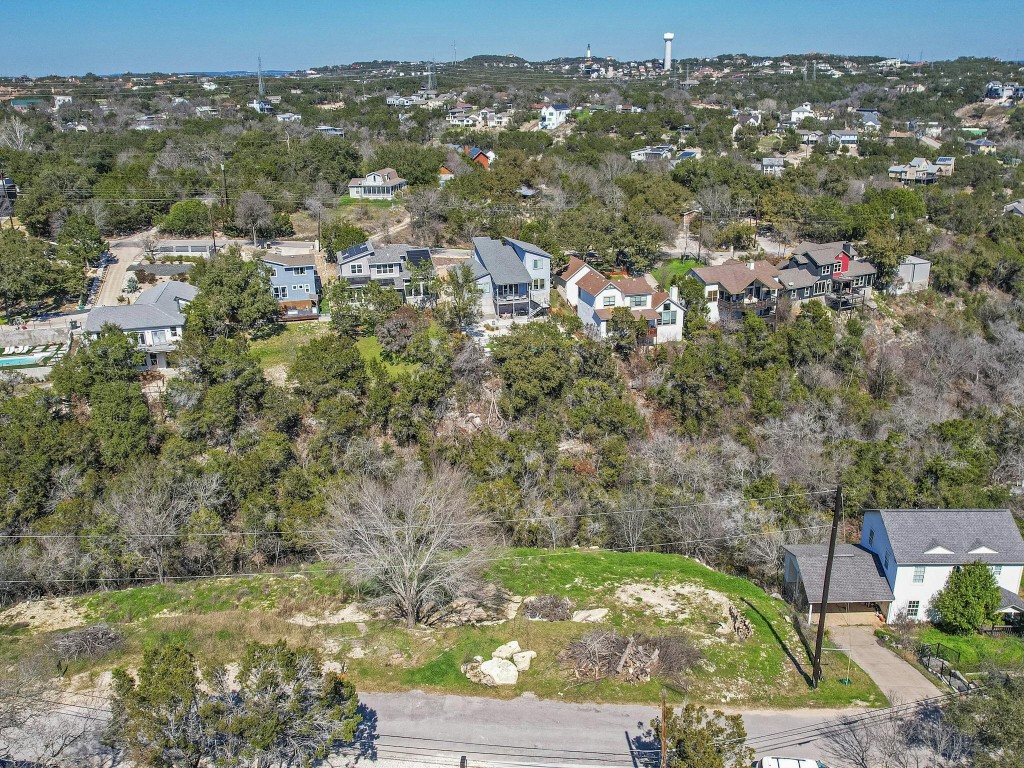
(14, 133)
(252, 212)
(416, 541)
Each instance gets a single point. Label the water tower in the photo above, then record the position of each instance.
(669, 37)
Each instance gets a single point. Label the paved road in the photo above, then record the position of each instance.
(432, 730)
(900, 681)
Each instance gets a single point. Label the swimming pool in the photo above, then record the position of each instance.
(17, 361)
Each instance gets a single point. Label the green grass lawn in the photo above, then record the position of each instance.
(350, 202)
(216, 617)
(668, 270)
(282, 346)
(369, 347)
(977, 651)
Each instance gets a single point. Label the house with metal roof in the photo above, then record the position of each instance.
(920, 548)
(554, 115)
(514, 278)
(156, 320)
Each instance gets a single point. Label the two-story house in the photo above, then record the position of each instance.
(155, 320)
(904, 558)
(553, 115)
(920, 548)
(406, 268)
(294, 282)
(802, 112)
(514, 277)
(831, 272)
(652, 154)
(922, 171)
(379, 185)
(735, 287)
(599, 297)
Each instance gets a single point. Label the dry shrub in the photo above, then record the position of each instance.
(635, 659)
(87, 642)
(549, 608)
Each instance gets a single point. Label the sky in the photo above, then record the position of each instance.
(111, 36)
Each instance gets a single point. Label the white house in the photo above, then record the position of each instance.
(651, 154)
(155, 320)
(599, 297)
(568, 281)
(553, 115)
(920, 548)
(209, 85)
(379, 185)
(803, 111)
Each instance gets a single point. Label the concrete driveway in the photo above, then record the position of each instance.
(899, 681)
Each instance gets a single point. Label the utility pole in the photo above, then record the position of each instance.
(837, 512)
(224, 185)
(664, 728)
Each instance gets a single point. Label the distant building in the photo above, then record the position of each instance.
(289, 117)
(379, 185)
(772, 166)
(802, 112)
(912, 276)
(1016, 208)
(981, 147)
(652, 154)
(330, 130)
(554, 115)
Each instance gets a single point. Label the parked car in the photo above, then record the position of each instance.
(788, 762)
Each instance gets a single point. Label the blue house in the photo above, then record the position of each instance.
(514, 277)
(294, 283)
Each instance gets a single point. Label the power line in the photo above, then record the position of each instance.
(470, 523)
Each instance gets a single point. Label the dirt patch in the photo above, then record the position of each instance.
(675, 601)
(46, 615)
(350, 614)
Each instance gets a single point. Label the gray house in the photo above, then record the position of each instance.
(404, 267)
(294, 282)
(832, 272)
(514, 277)
(155, 320)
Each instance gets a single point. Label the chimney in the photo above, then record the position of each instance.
(848, 247)
(750, 266)
(673, 293)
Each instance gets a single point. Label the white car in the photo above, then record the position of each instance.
(788, 762)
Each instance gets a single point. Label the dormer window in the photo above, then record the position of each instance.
(826, 269)
(871, 537)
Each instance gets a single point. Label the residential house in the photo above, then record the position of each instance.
(445, 174)
(514, 277)
(981, 147)
(810, 138)
(406, 268)
(1016, 208)
(844, 138)
(832, 272)
(209, 85)
(263, 106)
(946, 165)
(204, 111)
(60, 101)
(870, 120)
(600, 296)
(917, 171)
(379, 185)
(802, 112)
(479, 156)
(912, 276)
(931, 143)
(294, 282)
(735, 287)
(553, 115)
(858, 584)
(156, 320)
(330, 130)
(920, 548)
(289, 117)
(652, 154)
(772, 166)
(568, 281)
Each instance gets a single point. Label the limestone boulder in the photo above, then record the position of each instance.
(522, 659)
(501, 671)
(591, 616)
(506, 651)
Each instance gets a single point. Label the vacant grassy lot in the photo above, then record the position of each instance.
(281, 347)
(642, 592)
(669, 270)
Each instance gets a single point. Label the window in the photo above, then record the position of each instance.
(384, 269)
(712, 296)
(913, 608)
(819, 287)
(299, 270)
(826, 269)
(609, 301)
(667, 318)
(997, 570)
(357, 269)
(536, 264)
(807, 293)
(858, 281)
(637, 301)
(871, 537)
(539, 284)
(887, 561)
(919, 574)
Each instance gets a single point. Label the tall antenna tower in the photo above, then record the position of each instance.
(431, 85)
(259, 76)
(455, 53)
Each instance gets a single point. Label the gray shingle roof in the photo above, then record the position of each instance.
(155, 308)
(1010, 600)
(501, 261)
(857, 576)
(529, 247)
(913, 533)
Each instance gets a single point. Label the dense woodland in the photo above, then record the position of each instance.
(723, 447)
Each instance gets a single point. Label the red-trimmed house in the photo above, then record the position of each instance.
(832, 272)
